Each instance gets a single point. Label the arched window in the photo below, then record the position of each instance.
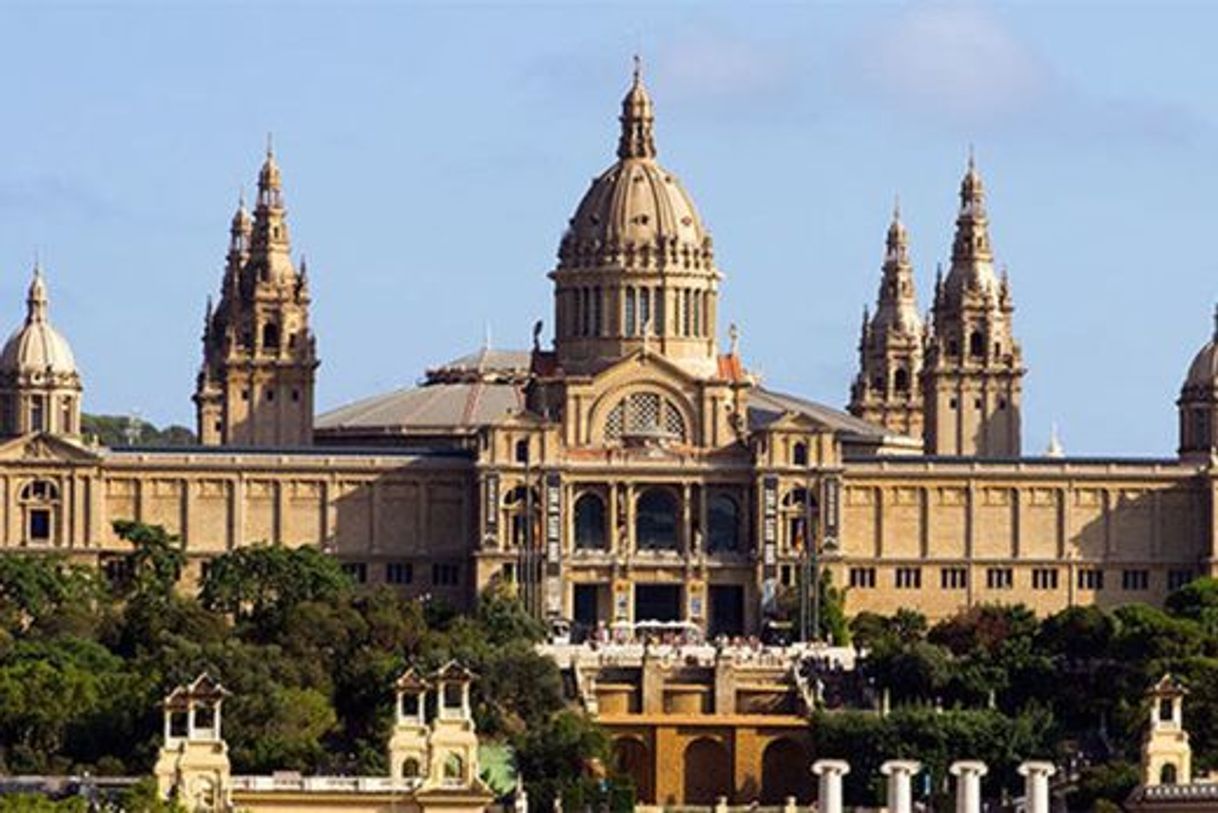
(270, 336)
(454, 769)
(629, 312)
(976, 344)
(799, 455)
(800, 518)
(1168, 774)
(516, 505)
(1165, 710)
(655, 523)
(410, 769)
(590, 522)
(723, 519)
(522, 451)
(39, 506)
(644, 415)
(900, 380)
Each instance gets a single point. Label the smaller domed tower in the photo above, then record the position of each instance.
(888, 389)
(1198, 402)
(40, 389)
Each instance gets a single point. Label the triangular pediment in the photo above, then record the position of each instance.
(797, 422)
(645, 365)
(51, 448)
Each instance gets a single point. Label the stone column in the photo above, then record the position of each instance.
(968, 775)
(1036, 785)
(900, 773)
(830, 772)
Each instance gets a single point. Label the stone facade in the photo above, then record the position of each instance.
(637, 470)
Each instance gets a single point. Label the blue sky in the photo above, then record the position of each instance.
(433, 153)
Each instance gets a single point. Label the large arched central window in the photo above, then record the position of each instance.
(590, 522)
(655, 521)
(646, 416)
(723, 521)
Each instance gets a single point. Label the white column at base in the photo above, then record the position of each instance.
(900, 774)
(830, 772)
(1036, 785)
(968, 775)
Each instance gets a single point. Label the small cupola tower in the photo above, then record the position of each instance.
(408, 744)
(972, 380)
(193, 767)
(887, 390)
(454, 739)
(1167, 757)
(255, 387)
(40, 388)
(1198, 403)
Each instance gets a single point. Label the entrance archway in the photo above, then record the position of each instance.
(785, 772)
(632, 758)
(708, 772)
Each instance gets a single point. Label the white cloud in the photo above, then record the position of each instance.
(953, 60)
(716, 66)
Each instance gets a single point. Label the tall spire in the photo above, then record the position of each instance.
(638, 120)
(270, 183)
(36, 299)
(897, 304)
(269, 245)
(972, 242)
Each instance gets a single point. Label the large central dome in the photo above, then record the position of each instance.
(636, 212)
(635, 266)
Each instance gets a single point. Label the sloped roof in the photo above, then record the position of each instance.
(465, 393)
(432, 406)
(767, 406)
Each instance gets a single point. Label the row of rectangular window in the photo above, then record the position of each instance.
(442, 575)
(643, 312)
(1003, 578)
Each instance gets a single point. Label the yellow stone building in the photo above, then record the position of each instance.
(635, 469)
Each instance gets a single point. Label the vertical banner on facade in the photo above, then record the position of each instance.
(769, 521)
(769, 542)
(831, 503)
(490, 507)
(553, 567)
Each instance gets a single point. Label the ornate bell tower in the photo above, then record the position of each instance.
(259, 355)
(888, 389)
(973, 376)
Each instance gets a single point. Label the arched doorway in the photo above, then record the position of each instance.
(708, 772)
(785, 772)
(631, 757)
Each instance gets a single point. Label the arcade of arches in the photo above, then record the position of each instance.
(687, 763)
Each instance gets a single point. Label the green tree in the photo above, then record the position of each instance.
(264, 583)
(151, 570)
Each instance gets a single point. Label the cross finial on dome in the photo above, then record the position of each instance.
(896, 208)
(36, 299)
(733, 336)
(1216, 322)
(637, 140)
